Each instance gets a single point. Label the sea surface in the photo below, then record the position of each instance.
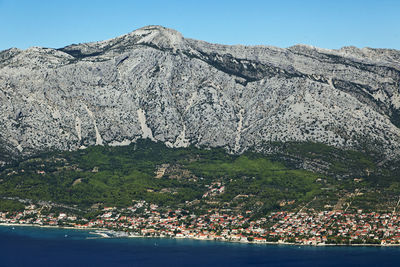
(32, 246)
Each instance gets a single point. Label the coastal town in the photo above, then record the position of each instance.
(148, 220)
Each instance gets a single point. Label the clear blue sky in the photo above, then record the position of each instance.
(283, 23)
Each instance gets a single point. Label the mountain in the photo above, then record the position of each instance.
(154, 83)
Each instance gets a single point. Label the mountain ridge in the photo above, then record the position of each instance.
(154, 83)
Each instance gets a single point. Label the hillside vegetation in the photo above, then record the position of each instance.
(201, 179)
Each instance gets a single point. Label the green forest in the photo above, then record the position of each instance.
(202, 179)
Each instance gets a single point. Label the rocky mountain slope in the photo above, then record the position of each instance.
(153, 83)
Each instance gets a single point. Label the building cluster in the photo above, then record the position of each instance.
(310, 228)
(336, 227)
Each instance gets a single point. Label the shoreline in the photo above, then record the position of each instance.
(51, 226)
(127, 235)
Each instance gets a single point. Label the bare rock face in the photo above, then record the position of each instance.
(153, 83)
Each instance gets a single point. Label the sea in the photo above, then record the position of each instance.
(34, 246)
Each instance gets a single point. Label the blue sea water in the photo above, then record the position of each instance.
(31, 246)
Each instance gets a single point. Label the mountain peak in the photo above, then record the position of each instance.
(159, 36)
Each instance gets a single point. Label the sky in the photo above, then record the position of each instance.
(322, 23)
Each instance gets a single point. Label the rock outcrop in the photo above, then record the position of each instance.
(153, 83)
